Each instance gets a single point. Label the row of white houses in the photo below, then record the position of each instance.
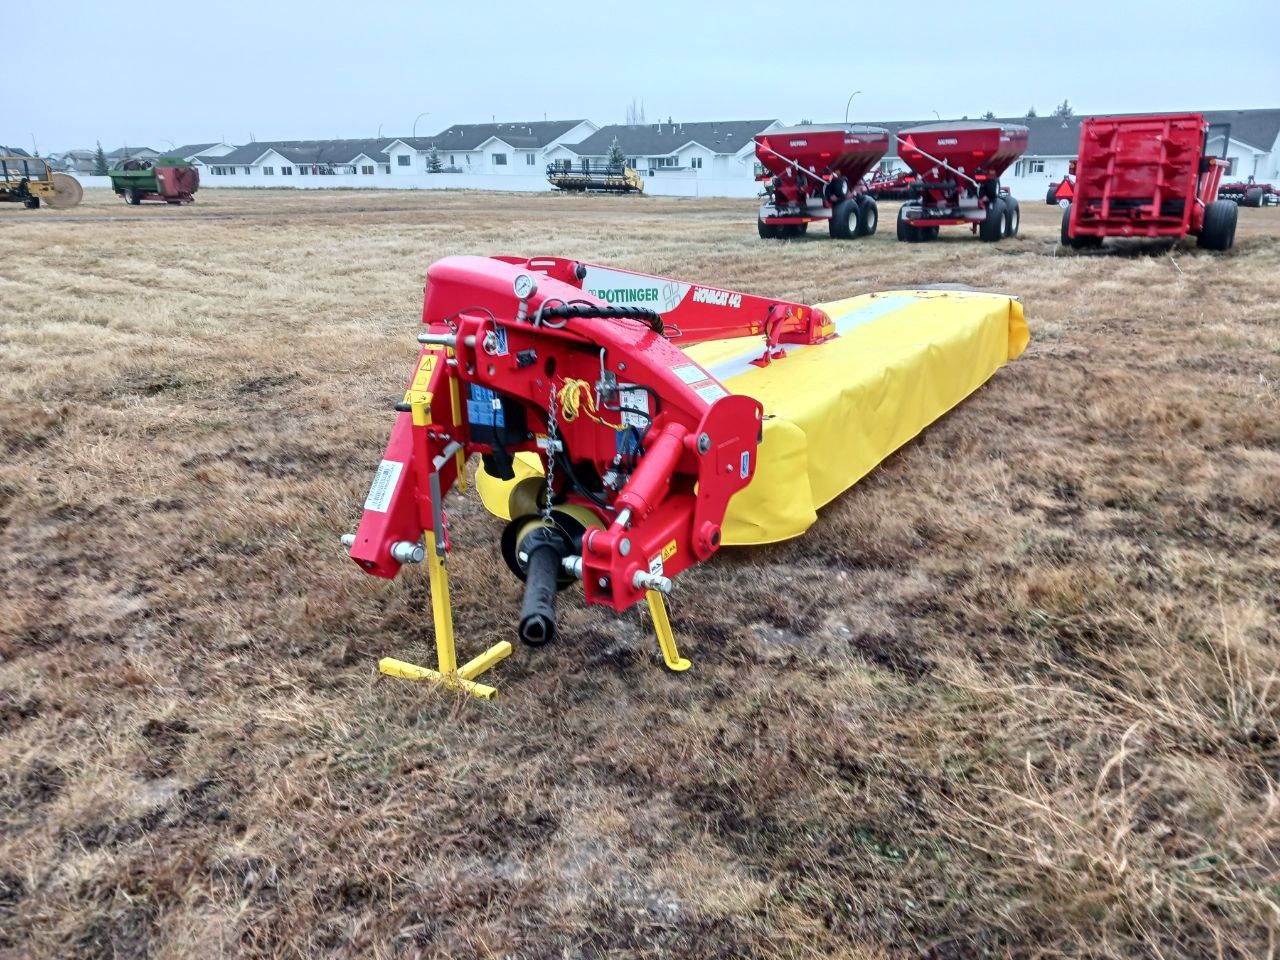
(708, 158)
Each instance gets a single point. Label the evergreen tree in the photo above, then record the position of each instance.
(988, 115)
(99, 161)
(1031, 113)
(434, 163)
(1063, 110)
(616, 157)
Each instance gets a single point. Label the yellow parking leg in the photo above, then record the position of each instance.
(411, 671)
(666, 638)
(441, 608)
(494, 655)
(448, 674)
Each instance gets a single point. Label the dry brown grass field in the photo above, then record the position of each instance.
(1016, 694)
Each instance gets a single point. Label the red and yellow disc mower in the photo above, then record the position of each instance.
(629, 426)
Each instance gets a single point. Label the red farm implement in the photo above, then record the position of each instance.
(1064, 189)
(163, 180)
(629, 426)
(959, 165)
(814, 173)
(890, 185)
(1149, 176)
(1250, 193)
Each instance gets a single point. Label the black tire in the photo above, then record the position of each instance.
(1218, 232)
(1253, 197)
(767, 230)
(929, 233)
(845, 220)
(1012, 216)
(868, 216)
(796, 230)
(31, 203)
(836, 190)
(906, 232)
(131, 197)
(1051, 198)
(1075, 243)
(992, 228)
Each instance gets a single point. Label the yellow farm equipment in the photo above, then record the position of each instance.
(30, 181)
(585, 177)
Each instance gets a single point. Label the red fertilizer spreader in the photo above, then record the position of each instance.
(814, 172)
(959, 165)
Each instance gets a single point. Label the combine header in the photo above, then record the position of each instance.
(30, 182)
(164, 180)
(815, 173)
(959, 165)
(586, 177)
(1149, 176)
(629, 426)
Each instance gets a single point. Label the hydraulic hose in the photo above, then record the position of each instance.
(538, 612)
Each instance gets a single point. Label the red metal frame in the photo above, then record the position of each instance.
(810, 168)
(691, 313)
(487, 349)
(1143, 176)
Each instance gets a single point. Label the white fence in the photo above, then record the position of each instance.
(1030, 188)
(659, 186)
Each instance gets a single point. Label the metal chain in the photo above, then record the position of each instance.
(553, 433)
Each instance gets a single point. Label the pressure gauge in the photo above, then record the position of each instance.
(525, 286)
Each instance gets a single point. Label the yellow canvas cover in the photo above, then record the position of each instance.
(834, 410)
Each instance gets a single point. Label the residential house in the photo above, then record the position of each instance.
(117, 157)
(487, 148)
(284, 162)
(191, 151)
(717, 149)
(77, 161)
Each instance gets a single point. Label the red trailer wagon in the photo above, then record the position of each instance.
(959, 165)
(1149, 176)
(814, 172)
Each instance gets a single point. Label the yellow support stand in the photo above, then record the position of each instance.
(448, 673)
(666, 637)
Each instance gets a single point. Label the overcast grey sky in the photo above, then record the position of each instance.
(319, 68)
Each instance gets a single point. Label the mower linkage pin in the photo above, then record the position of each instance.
(644, 580)
(438, 339)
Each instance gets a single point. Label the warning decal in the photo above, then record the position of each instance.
(691, 373)
(711, 392)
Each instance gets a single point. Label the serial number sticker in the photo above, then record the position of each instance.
(635, 407)
(711, 392)
(383, 487)
(691, 373)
